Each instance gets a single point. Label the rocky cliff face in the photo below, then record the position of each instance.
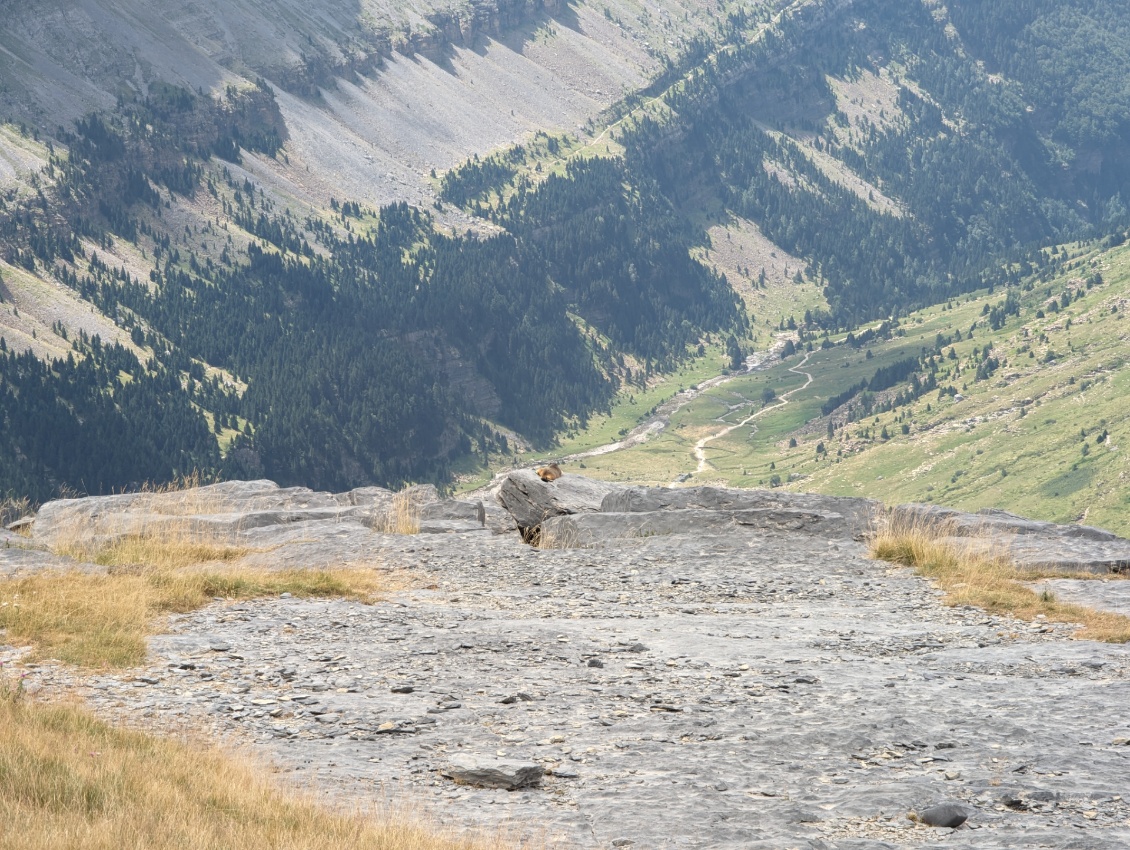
(739, 674)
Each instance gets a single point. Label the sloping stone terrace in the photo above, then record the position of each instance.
(719, 685)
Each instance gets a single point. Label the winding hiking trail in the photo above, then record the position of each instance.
(661, 418)
(700, 446)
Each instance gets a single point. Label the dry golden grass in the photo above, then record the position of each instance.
(165, 524)
(165, 554)
(96, 620)
(167, 551)
(973, 574)
(558, 536)
(13, 508)
(70, 782)
(403, 517)
(174, 565)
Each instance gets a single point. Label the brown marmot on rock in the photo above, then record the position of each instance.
(549, 473)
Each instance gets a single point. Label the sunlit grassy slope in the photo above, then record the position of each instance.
(1030, 439)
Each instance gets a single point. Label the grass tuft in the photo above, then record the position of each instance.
(13, 508)
(972, 574)
(72, 781)
(403, 517)
(558, 536)
(104, 620)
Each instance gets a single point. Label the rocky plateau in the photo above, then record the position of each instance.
(693, 667)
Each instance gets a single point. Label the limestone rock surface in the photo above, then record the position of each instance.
(729, 683)
(841, 516)
(223, 509)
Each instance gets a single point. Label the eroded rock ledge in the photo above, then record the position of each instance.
(572, 511)
(575, 511)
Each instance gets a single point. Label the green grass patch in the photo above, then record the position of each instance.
(1046, 436)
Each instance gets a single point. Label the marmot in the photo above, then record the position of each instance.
(549, 473)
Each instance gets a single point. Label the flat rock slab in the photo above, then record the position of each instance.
(1034, 552)
(1029, 544)
(487, 772)
(16, 562)
(450, 526)
(1074, 555)
(737, 689)
(1112, 595)
(329, 528)
(216, 508)
(992, 522)
(591, 529)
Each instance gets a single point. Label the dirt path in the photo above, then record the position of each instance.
(662, 417)
(654, 424)
(700, 446)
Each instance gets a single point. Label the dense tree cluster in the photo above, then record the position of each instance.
(96, 423)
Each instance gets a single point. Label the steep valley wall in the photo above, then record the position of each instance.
(374, 95)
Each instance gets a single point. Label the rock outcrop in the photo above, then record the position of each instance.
(685, 509)
(487, 772)
(567, 513)
(571, 511)
(532, 501)
(280, 526)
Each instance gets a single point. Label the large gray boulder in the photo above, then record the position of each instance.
(832, 516)
(531, 501)
(583, 530)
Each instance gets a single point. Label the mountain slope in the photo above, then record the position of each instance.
(231, 225)
(374, 94)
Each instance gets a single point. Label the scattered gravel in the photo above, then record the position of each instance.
(750, 689)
